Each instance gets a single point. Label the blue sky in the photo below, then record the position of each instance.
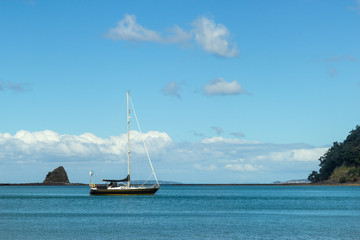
(246, 92)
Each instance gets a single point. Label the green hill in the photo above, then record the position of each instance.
(341, 163)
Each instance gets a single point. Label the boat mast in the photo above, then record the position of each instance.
(143, 140)
(128, 137)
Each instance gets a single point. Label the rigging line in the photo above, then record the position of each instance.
(128, 134)
(147, 180)
(142, 137)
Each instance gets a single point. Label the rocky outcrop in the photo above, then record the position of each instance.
(59, 175)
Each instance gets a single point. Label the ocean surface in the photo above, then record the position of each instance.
(181, 212)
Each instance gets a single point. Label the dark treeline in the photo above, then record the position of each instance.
(347, 152)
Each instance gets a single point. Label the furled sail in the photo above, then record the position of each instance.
(121, 180)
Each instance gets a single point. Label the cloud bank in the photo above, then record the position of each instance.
(212, 37)
(45, 146)
(229, 159)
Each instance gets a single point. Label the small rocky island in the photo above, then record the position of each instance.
(57, 176)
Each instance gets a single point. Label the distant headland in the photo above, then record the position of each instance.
(341, 163)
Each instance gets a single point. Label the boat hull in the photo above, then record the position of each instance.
(126, 191)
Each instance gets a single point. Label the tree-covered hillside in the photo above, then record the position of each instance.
(346, 153)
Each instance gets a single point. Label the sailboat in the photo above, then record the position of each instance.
(124, 186)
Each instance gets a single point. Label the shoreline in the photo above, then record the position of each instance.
(267, 184)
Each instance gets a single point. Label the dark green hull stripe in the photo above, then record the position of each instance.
(149, 191)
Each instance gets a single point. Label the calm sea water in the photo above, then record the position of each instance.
(181, 212)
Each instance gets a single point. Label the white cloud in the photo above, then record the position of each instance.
(241, 167)
(214, 38)
(332, 72)
(341, 58)
(227, 140)
(172, 89)
(357, 7)
(176, 35)
(333, 61)
(128, 29)
(14, 87)
(238, 134)
(218, 130)
(220, 87)
(210, 167)
(301, 155)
